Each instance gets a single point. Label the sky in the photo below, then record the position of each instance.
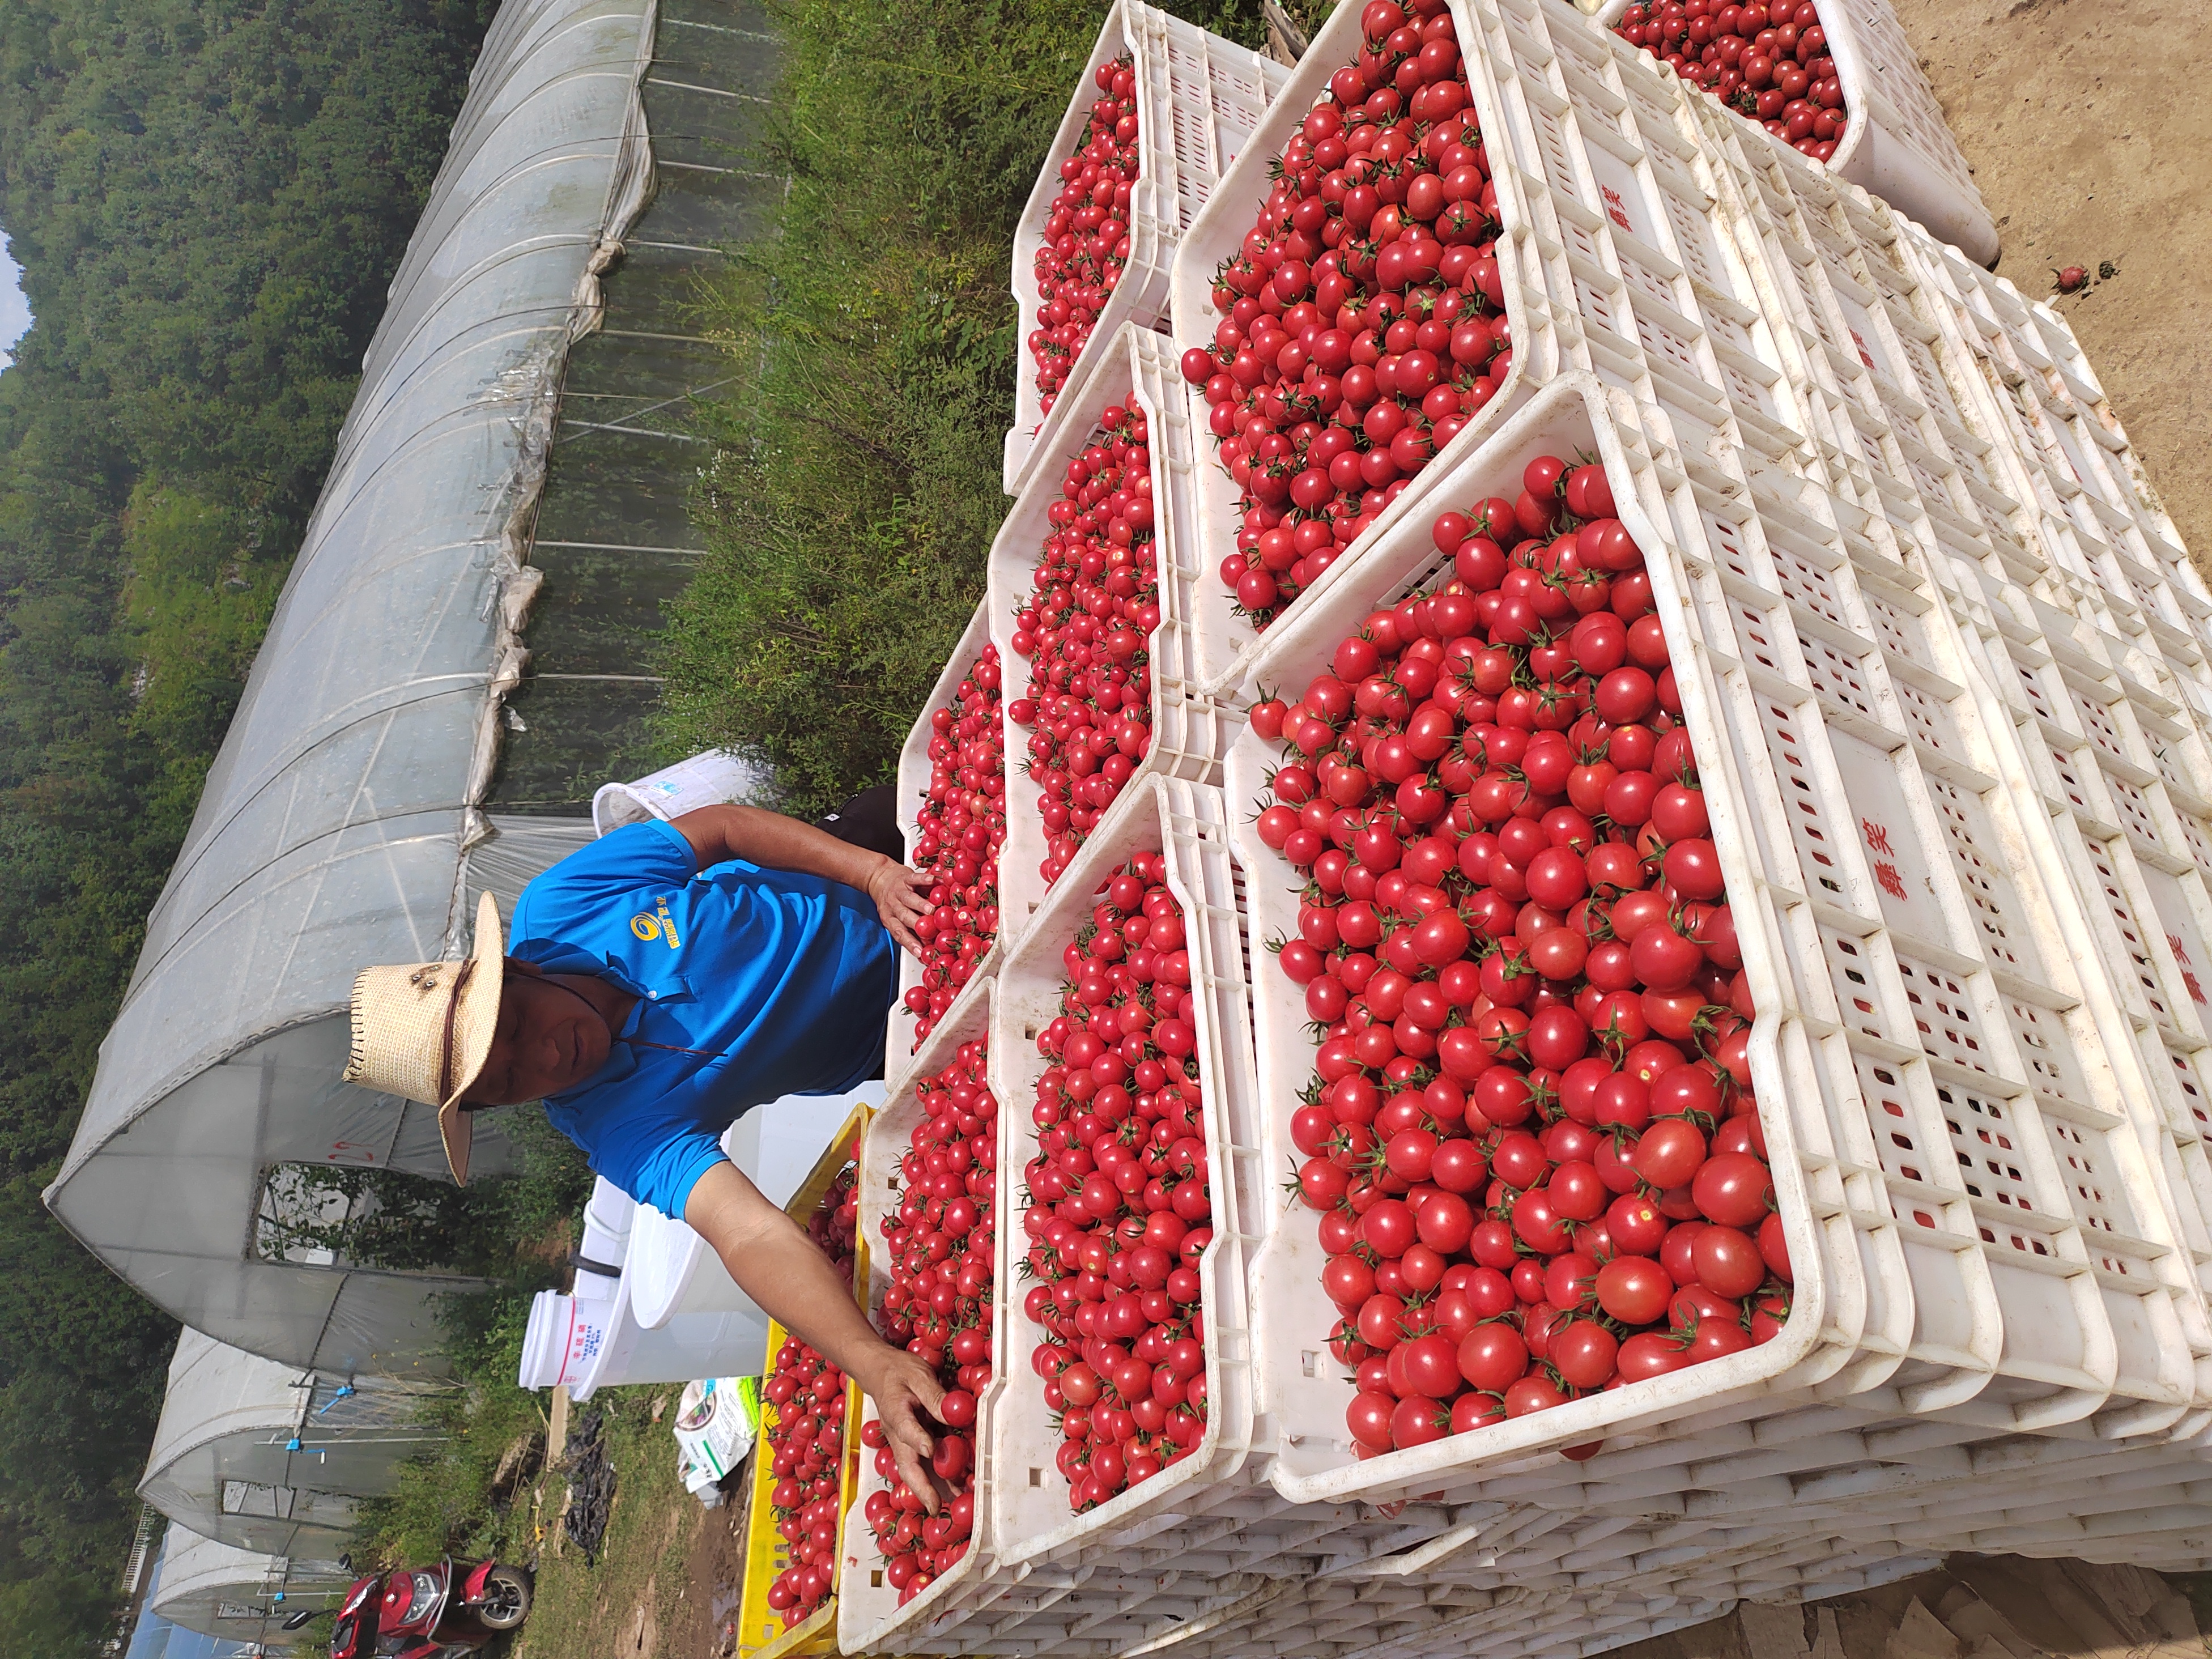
(15, 309)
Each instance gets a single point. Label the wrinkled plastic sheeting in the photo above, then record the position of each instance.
(333, 827)
(218, 1590)
(268, 1457)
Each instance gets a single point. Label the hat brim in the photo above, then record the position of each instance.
(476, 1022)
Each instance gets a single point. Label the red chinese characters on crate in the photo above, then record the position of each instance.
(1119, 1212)
(1364, 322)
(1768, 62)
(1531, 1135)
(962, 826)
(1086, 239)
(806, 1440)
(940, 1250)
(1092, 607)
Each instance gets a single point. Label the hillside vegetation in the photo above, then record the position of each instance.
(208, 197)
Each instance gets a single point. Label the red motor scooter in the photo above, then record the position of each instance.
(425, 1613)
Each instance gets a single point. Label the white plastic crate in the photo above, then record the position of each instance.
(982, 1606)
(1897, 146)
(2112, 542)
(1872, 340)
(869, 1617)
(2057, 557)
(1210, 1514)
(1997, 425)
(1189, 735)
(914, 774)
(1552, 1614)
(2111, 763)
(1920, 1012)
(1613, 253)
(1199, 97)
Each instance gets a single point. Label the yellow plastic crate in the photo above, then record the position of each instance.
(761, 1634)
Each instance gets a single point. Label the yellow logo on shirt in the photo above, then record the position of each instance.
(657, 924)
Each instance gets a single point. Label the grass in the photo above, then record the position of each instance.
(448, 1500)
(636, 1588)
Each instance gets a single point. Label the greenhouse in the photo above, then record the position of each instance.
(459, 659)
(241, 1596)
(271, 1458)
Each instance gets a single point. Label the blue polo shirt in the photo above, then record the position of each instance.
(781, 981)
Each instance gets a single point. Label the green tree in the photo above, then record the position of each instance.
(208, 199)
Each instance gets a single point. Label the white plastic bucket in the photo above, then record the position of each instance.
(607, 1221)
(673, 1273)
(587, 1343)
(711, 778)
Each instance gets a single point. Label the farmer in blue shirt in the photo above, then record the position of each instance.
(660, 983)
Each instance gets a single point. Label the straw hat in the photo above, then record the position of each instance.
(423, 1030)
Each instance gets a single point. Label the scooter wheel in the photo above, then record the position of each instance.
(506, 1598)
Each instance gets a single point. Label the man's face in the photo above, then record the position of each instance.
(548, 1040)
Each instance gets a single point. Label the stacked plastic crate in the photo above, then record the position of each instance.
(1958, 1007)
(1198, 97)
(1945, 666)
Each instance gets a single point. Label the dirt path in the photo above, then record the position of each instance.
(666, 1581)
(2090, 145)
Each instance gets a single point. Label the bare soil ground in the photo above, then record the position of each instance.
(2091, 148)
(666, 1581)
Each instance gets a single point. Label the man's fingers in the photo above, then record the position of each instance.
(911, 1446)
(915, 1472)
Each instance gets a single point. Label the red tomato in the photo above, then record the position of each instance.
(1728, 1263)
(1774, 1249)
(1734, 1189)
(1669, 1152)
(1633, 1289)
(1576, 1191)
(1492, 1357)
(1678, 812)
(1532, 1394)
(1636, 1225)
(1651, 1353)
(1693, 869)
(1430, 1366)
(1368, 1417)
(1584, 1354)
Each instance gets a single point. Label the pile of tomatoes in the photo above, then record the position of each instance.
(806, 1438)
(1119, 1211)
(939, 1250)
(962, 824)
(1085, 628)
(1531, 1135)
(1768, 62)
(1086, 239)
(1364, 322)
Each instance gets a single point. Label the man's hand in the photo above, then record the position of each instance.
(776, 1264)
(898, 892)
(904, 1388)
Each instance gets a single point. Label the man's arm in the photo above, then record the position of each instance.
(776, 843)
(770, 1256)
